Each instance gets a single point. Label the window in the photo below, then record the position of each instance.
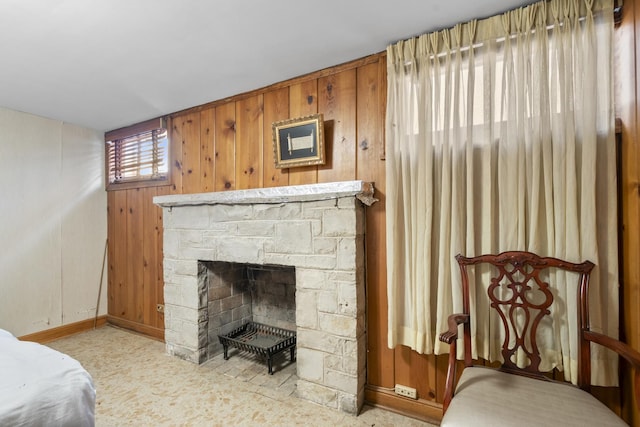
(137, 154)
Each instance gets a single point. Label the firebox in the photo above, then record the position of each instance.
(251, 308)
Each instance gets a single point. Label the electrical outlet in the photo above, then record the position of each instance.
(405, 391)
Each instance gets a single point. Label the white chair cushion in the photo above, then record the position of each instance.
(486, 397)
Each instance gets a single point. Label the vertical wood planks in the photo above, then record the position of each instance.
(337, 102)
(225, 147)
(118, 255)
(303, 101)
(175, 154)
(135, 252)
(627, 88)
(249, 124)
(369, 167)
(190, 132)
(276, 108)
(159, 280)
(149, 254)
(152, 254)
(207, 140)
(112, 267)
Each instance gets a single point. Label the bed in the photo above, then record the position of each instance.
(40, 386)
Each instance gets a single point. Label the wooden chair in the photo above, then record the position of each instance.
(495, 397)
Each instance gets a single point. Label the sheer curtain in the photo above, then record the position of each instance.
(500, 136)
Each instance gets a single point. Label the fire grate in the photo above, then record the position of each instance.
(264, 340)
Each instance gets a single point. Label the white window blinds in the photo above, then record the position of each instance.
(138, 153)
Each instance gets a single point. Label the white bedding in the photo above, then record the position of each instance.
(40, 386)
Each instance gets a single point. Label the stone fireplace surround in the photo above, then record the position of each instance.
(319, 230)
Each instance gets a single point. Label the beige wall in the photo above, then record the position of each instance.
(52, 222)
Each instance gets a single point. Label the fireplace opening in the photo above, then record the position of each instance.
(250, 308)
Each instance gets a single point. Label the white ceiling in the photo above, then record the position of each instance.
(106, 64)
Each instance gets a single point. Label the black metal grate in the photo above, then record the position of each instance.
(260, 339)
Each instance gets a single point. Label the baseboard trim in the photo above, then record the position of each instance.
(420, 409)
(149, 331)
(52, 334)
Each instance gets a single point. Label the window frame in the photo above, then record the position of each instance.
(128, 132)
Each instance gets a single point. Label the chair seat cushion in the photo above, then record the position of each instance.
(487, 397)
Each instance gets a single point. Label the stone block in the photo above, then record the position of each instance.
(310, 365)
(171, 295)
(170, 244)
(185, 314)
(350, 403)
(241, 312)
(310, 278)
(188, 336)
(276, 211)
(316, 228)
(219, 292)
(342, 276)
(361, 222)
(350, 366)
(218, 229)
(231, 302)
(325, 246)
(171, 337)
(293, 237)
(188, 217)
(225, 213)
(328, 302)
(347, 203)
(333, 362)
(255, 228)
(247, 250)
(181, 267)
(183, 281)
(191, 238)
(341, 381)
(322, 262)
(193, 356)
(307, 309)
(338, 223)
(319, 340)
(316, 393)
(346, 254)
(197, 254)
(337, 324)
(347, 299)
(203, 315)
(190, 297)
(214, 308)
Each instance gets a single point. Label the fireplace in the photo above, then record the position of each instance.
(315, 231)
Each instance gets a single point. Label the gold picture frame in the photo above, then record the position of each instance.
(299, 142)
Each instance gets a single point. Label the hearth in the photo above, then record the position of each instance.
(317, 231)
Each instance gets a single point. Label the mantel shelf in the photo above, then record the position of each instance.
(293, 193)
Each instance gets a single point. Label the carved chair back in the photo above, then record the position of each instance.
(518, 288)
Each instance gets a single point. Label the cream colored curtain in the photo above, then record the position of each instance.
(500, 136)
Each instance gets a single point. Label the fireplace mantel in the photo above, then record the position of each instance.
(293, 193)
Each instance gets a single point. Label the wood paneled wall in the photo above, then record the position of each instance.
(227, 145)
(627, 74)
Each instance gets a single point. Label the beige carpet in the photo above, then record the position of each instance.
(138, 384)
